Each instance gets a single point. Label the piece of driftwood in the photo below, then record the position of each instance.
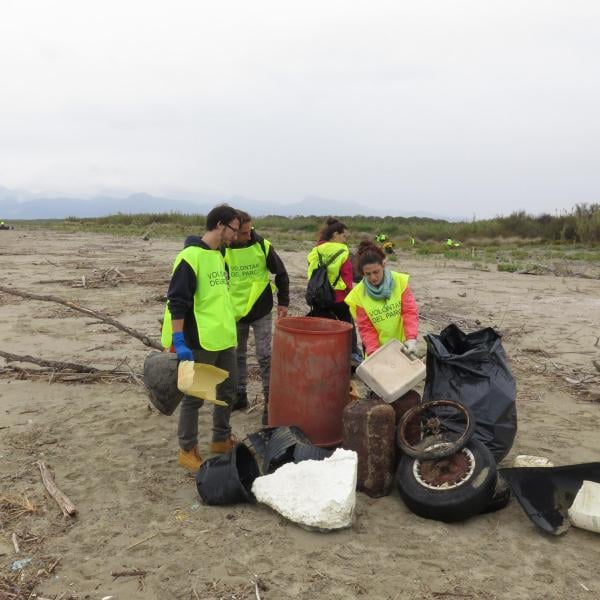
(131, 573)
(66, 506)
(142, 541)
(52, 364)
(86, 311)
(62, 371)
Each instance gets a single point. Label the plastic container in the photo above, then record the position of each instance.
(389, 372)
(585, 510)
(200, 380)
(369, 430)
(160, 379)
(228, 478)
(310, 376)
(277, 446)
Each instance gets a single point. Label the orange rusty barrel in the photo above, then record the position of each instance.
(310, 376)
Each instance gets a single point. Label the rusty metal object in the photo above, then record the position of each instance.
(435, 429)
(369, 429)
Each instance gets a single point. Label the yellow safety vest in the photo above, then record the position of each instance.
(213, 310)
(248, 276)
(386, 315)
(327, 250)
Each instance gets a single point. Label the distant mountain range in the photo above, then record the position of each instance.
(18, 205)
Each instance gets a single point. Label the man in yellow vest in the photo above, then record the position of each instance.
(249, 261)
(200, 324)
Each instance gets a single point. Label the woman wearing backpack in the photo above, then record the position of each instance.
(332, 251)
(382, 304)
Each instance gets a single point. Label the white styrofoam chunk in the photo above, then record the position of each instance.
(527, 460)
(585, 510)
(313, 493)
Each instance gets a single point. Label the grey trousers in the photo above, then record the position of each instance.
(188, 409)
(262, 341)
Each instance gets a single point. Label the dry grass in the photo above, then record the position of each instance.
(21, 584)
(13, 508)
(16, 587)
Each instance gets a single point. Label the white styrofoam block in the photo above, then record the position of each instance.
(313, 493)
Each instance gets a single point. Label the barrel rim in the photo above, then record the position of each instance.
(284, 324)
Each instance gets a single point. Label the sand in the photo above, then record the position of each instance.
(115, 456)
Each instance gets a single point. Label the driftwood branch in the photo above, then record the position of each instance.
(67, 507)
(86, 311)
(52, 364)
(74, 372)
(131, 573)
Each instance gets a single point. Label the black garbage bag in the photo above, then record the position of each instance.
(473, 369)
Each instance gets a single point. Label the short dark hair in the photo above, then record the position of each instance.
(221, 214)
(332, 225)
(244, 217)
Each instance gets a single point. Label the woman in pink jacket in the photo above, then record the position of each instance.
(382, 304)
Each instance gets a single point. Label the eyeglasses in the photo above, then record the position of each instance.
(232, 228)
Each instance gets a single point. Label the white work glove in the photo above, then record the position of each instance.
(410, 347)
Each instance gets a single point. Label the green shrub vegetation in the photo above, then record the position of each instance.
(569, 236)
(509, 267)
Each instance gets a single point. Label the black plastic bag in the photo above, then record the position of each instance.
(473, 369)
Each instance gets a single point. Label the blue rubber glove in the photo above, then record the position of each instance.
(183, 352)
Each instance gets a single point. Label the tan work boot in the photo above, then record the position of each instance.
(224, 446)
(190, 459)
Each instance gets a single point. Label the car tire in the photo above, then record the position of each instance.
(454, 502)
(501, 496)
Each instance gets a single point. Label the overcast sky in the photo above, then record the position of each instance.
(451, 107)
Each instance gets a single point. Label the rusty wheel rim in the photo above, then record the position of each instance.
(446, 473)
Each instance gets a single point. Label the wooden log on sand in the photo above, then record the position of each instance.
(67, 507)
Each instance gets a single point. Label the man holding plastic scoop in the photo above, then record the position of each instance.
(200, 323)
(249, 260)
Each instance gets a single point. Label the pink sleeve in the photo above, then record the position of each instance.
(410, 315)
(368, 333)
(346, 274)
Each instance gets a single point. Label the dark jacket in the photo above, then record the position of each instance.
(264, 304)
(181, 296)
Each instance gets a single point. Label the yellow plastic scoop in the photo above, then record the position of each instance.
(200, 380)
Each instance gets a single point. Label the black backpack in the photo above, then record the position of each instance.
(319, 292)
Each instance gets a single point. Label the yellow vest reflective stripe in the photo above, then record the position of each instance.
(248, 276)
(327, 250)
(385, 315)
(212, 305)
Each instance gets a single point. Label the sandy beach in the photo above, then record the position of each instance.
(114, 455)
